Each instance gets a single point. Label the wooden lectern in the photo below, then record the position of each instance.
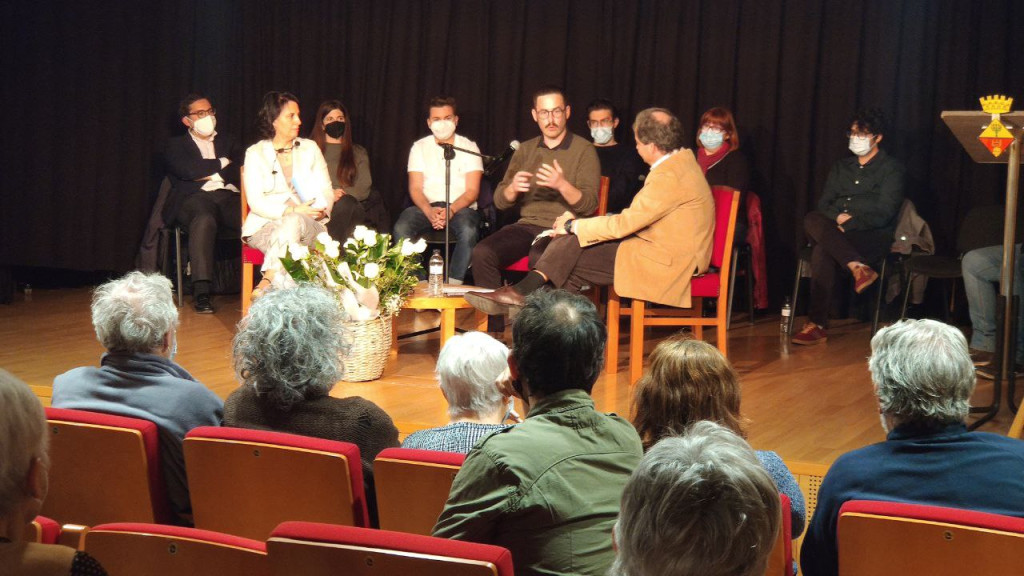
(967, 126)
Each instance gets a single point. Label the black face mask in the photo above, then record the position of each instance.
(335, 129)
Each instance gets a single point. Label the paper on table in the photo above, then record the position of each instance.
(460, 290)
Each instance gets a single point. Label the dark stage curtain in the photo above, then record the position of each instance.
(91, 89)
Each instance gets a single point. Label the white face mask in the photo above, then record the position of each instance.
(204, 126)
(443, 129)
(860, 145)
(601, 134)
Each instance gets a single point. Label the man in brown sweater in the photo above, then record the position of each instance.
(650, 250)
(556, 172)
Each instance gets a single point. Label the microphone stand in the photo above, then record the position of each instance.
(449, 155)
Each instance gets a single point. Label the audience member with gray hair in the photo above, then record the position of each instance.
(136, 321)
(470, 370)
(923, 377)
(288, 355)
(700, 503)
(24, 479)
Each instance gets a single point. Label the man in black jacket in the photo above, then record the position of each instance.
(855, 219)
(204, 169)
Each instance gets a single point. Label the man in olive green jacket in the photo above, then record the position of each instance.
(549, 489)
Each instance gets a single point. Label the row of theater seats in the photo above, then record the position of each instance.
(249, 486)
(292, 548)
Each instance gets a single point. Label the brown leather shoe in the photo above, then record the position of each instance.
(499, 302)
(810, 335)
(863, 276)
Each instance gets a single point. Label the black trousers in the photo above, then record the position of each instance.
(346, 214)
(499, 250)
(202, 214)
(832, 253)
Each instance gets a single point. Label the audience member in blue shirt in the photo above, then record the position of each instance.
(923, 377)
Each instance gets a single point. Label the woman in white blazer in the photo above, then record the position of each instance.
(286, 184)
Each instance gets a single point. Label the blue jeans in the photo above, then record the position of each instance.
(412, 224)
(981, 278)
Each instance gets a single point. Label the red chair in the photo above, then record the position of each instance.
(881, 538)
(42, 530)
(246, 482)
(160, 550)
(104, 468)
(325, 550)
(250, 256)
(780, 562)
(713, 284)
(412, 487)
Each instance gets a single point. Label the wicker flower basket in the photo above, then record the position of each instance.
(371, 346)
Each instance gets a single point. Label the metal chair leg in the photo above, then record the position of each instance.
(732, 286)
(878, 298)
(906, 293)
(178, 265)
(796, 292)
(750, 284)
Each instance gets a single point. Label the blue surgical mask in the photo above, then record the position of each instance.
(601, 134)
(711, 139)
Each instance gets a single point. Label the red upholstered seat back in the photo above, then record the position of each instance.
(929, 513)
(303, 547)
(96, 475)
(251, 255)
(43, 530)
(723, 207)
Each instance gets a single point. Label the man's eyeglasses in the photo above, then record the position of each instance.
(604, 122)
(554, 113)
(203, 113)
(852, 134)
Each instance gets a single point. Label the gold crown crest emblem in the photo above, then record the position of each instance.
(996, 104)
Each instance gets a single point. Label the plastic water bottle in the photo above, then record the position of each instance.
(28, 292)
(436, 278)
(787, 311)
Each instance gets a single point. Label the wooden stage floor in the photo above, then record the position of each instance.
(807, 404)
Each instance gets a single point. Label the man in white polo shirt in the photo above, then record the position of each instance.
(427, 187)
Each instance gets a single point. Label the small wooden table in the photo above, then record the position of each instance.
(420, 300)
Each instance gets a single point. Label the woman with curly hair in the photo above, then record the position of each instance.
(689, 381)
(288, 354)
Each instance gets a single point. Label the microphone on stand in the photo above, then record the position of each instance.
(501, 158)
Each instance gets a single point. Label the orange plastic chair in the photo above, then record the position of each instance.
(103, 468)
(246, 482)
(160, 550)
(412, 487)
(890, 538)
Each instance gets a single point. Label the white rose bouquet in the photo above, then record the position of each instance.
(369, 276)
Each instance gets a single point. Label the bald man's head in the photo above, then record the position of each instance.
(659, 127)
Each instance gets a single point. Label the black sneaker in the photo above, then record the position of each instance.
(202, 304)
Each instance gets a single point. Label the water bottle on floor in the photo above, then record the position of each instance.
(435, 280)
(787, 311)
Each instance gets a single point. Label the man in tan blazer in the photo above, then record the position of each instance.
(650, 250)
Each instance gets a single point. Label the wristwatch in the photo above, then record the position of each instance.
(569, 226)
